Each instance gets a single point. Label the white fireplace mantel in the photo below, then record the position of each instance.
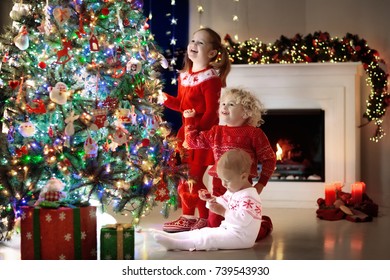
(333, 87)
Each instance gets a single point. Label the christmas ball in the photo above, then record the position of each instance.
(42, 65)
(145, 142)
(105, 11)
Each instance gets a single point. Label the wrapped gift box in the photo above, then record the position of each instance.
(117, 242)
(58, 234)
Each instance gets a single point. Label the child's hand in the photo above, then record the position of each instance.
(189, 113)
(217, 208)
(185, 144)
(205, 195)
(161, 98)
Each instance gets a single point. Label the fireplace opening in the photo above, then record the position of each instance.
(297, 137)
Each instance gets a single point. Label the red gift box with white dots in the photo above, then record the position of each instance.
(58, 234)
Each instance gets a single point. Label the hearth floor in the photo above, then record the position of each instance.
(298, 235)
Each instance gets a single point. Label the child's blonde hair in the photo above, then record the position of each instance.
(252, 106)
(236, 160)
(220, 62)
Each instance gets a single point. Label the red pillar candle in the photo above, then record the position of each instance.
(357, 192)
(330, 194)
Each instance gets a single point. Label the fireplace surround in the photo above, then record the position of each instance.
(331, 87)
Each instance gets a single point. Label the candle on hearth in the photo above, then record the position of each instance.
(364, 187)
(330, 194)
(357, 192)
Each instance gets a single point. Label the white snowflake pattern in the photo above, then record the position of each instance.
(127, 234)
(83, 235)
(68, 237)
(93, 252)
(128, 257)
(23, 216)
(62, 216)
(108, 257)
(48, 218)
(29, 235)
(62, 257)
(107, 235)
(92, 213)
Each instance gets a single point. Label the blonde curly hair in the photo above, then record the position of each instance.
(251, 105)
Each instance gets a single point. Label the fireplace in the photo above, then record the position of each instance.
(297, 137)
(330, 89)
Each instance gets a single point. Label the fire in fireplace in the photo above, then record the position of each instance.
(297, 136)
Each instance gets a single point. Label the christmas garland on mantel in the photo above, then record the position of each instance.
(320, 47)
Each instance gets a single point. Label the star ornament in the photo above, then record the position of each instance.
(174, 21)
(173, 41)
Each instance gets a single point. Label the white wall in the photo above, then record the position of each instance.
(267, 20)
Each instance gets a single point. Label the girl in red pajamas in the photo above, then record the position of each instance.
(206, 67)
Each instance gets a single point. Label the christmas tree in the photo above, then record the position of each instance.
(79, 91)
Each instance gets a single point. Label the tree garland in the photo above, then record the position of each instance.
(320, 47)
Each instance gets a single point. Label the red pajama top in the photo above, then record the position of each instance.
(200, 91)
(221, 138)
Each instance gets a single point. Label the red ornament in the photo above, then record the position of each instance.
(320, 201)
(22, 151)
(145, 142)
(110, 102)
(105, 11)
(93, 43)
(38, 107)
(119, 71)
(42, 65)
(126, 22)
(140, 91)
(64, 53)
(13, 84)
(162, 192)
(50, 132)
